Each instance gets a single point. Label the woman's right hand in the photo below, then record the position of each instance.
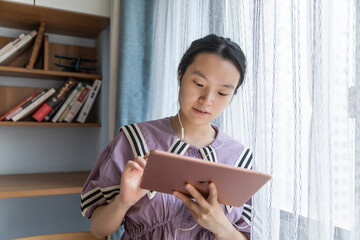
(130, 191)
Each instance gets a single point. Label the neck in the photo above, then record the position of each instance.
(194, 134)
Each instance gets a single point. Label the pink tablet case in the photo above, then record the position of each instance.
(166, 172)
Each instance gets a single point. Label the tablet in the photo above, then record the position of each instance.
(165, 172)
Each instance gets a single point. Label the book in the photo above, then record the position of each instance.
(75, 108)
(46, 52)
(66, 111)
(51, 114)
(10, 44)
(51, 103)
(17, 107)
(25, 105)
(33, 106)
(67, 102)
(89, 102)
(36, 47)
(17, 48)
(8, 118)
(57, 107)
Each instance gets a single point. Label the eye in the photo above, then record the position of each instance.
(222, 94)
(198, 84)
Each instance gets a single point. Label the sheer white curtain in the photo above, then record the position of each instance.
(293, 109)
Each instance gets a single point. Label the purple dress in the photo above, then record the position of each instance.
(159, 215)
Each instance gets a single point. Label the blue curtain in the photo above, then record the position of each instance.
(135, 48)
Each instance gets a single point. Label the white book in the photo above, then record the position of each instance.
(66, 111)
(89, 102)
(75, 108)
(17, 47)
(67, 102)
(29, 109)
(12, 43)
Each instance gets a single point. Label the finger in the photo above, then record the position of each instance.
(212, 193)
(190, 204)
(196, 195)
(146, 156)
(130, 165)
(140, 161)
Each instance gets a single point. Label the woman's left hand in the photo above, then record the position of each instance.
(206, 212)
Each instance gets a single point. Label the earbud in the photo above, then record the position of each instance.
(182, 133)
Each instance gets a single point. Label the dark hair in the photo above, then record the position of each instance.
(220, 46)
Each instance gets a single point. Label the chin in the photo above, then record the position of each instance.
(200, 121)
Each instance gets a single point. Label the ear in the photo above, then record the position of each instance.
(179, 76)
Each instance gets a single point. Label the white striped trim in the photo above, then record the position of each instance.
(245, 159)
(229, 208)
(246, 215)
(151, 194)
(97, 195)
(141, 137)
(178, 147)
(208, 153)
(173, 144)
(130, 141)
(136, 139)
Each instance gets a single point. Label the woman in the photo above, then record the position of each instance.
(209, 74)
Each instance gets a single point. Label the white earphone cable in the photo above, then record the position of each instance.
(183, 229)
(182, 136)
(182, 128)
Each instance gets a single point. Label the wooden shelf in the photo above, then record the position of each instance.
(28, 17)
(39, 73)
(41, 184)
(49, 124)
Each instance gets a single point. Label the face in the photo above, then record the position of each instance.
(207, 87)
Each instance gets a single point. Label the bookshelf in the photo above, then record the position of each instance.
(39, 73)
(28, 17)
(41, 184)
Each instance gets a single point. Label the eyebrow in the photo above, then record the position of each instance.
(200, 74)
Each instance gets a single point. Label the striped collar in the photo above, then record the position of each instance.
(214, 144)
(180, 147)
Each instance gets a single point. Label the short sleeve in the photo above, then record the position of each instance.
(103, 183)
(244, 223)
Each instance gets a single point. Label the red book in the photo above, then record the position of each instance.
(52, 102)
(17, 107)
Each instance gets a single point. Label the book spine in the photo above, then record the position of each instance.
(37, 96)
(34, 105)
(36, 47)
(66, 111)
(89, 102)
(53, 111)
(50, 104)
(16, 107)
(17, 47)
(77, 105)
(10, 44)
(67, 102)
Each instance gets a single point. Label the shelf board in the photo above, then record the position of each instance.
(49, 124)
(39, 73)
(41, 184)
(28, 17)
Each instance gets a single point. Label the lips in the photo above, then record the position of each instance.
(201, 111)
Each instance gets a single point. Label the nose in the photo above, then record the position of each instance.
(206, 98)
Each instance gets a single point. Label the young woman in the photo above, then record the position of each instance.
(209, 74)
